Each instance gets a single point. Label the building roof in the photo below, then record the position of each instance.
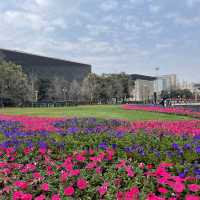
(141, 77)
(11, 55)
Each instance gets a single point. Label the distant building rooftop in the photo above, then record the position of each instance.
(141, 77)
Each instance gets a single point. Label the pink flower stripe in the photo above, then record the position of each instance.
(178, 111)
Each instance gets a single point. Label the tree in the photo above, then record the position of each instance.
(58, 89)
(89, 88)
(14, 85)
(75, 91)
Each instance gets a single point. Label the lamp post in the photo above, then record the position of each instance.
(36, 95)
(156, 85)
(64, 93)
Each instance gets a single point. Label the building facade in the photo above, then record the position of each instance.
(46, 67)
(143, 89)
(165, 83)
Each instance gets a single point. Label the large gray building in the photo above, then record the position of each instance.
(46, 67)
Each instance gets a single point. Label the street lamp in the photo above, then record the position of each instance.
(64, 93)
(36, 95)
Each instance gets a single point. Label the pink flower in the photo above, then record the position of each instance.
(119, 196)
(37, 175)
(45, 187)
(27, 150)
(192, 197)
(42, 150)
(132, 194)
(178, 187)
(63, 176)
(194, 187)
(98, 170)
(152, 196)
(74, 172)
(162, 190)
(103, 189)
(17, 195)
(41, 197)
(21, 184)
(69, 191)
(80, 158)
(141, 165)
(56, 197)
(82, 184)
(28, 168)
(27, 197)
(129, 171)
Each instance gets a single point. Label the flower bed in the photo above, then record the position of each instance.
(97, 159)
(178, 111)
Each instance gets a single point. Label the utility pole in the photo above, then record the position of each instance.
(156, 85)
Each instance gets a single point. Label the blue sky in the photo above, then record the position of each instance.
(132, 36)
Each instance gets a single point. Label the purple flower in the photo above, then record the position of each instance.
(187, 146)
(103, 145)
(175, 146)
(197, 149)
(182, 175)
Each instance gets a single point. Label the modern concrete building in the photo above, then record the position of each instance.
(143, 89)
(45, 67)
(165, 83)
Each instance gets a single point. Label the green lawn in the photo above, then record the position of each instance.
(100, 111)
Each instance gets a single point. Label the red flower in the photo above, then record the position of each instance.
(149, 166)
(82, 184)
(162, 190)
(45, 187)
(21, 184)
(69, 191)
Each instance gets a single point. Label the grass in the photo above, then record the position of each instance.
(98, 111)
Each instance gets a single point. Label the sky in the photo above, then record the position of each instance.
(132, 36)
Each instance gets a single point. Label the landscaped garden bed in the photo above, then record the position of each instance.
(86, 158)
(170, 110)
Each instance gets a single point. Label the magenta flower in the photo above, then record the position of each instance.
(82, 184)
(56, 197)
(69, 191)
(41, 197)
(21, 184)
(194, 187)
(45, 187)
(103, 189)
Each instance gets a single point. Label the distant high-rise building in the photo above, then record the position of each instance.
(165, 83)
